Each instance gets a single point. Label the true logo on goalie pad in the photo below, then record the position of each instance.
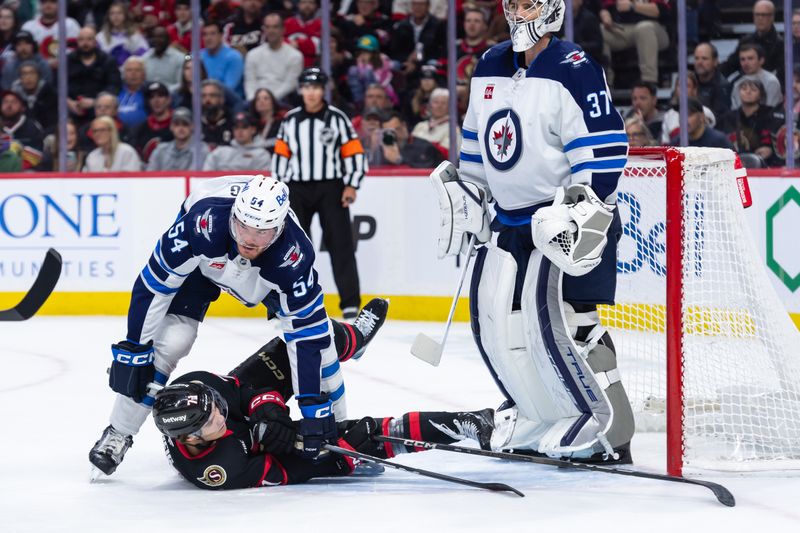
(503, 139)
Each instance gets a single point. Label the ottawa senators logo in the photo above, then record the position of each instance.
(213, 476)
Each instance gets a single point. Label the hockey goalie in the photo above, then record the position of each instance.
(543, 141)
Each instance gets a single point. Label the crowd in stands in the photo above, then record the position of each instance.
(130, 93)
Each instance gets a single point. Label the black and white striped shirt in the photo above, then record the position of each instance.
(318, 146)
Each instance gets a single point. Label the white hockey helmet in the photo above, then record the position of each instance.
(527, 30)
(259, 212)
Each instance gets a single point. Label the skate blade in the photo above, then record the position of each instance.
(96, 475)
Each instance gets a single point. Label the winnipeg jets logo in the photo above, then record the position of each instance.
(293, 257)
(204, 224)
(503, 139)
(575, 58)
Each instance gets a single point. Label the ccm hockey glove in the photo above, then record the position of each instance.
(272, 426)
(317, 427)
(132, 369)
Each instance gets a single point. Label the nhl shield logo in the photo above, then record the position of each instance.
(503, 139)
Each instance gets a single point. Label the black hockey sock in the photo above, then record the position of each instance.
(347, 339)
(432, 426)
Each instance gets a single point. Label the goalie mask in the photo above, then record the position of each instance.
(530, 20)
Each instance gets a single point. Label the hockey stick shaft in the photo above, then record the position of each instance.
(39, 292)
(722, 494)
(470, 249)
(495, 487)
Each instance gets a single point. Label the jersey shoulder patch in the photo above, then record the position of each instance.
(496, 61)
(207, 226)
(568, 64)
(290, 256)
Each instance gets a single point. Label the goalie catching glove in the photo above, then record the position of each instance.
(572, 232)
(463, 208)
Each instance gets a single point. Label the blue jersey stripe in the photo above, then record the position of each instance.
(338, 393)
(310, 309)
(607, 164)
(330, 370)
(160, 259)
(471, 158)
(306, 332)
(610, 151)
(582, 142)
(156, 284)
(471, 135)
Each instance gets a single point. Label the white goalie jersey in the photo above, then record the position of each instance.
(528, 132)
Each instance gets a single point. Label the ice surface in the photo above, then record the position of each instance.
(55, 403)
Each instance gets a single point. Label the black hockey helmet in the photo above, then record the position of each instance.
(313, 75)
(183, 408)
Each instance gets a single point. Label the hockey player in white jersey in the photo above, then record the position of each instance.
(543, 140)
(235, 234)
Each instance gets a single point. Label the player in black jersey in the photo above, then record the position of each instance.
(234, 431)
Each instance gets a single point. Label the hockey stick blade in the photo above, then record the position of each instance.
(722, 494)
(495, 487)
(39, 292)
(427, 349)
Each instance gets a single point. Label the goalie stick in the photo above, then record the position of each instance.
(722, 494)
(39, 292)
(495, 487)
(426, 348)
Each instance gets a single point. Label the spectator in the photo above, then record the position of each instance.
(475, 42)
(644, 104)
(8, 29)
(183, 96)
(417, 39)
(216, 119)
(247, 150)
(635, 24)
(418, 108)
(180, 32)
(163, 11)
(670, 123)
(75, 155)
(105, 105)
(375, 97)
(132, 109)
(20, 130)
(177, 154)
(766, 36)
(24, 50)
(751, 61)
(274, 64)
(44, 29)
(156, 128)
(586, 30)
(699, 133)
(40, 96)
(89, 71)
(398, 148)
(367, 20)
(713, 90)
(796, 35)
(438, 8)
(371, 67)
(750, 127)
(111, 154)
(304, 30)
(436, 129)
(163, 63)
(119, 36)
(638, 133)
(370, 134)
(264, 108)
(243, 31)
(222, 62)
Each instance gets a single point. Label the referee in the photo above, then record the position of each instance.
(318, 154)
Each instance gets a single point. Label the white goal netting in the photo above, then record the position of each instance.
(741, 352)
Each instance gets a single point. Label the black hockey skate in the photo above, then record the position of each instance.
(369, 321)
(107, 453)
(476, 425)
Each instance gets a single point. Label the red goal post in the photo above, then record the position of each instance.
(705, 348)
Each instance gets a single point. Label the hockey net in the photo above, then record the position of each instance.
(692, 284)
